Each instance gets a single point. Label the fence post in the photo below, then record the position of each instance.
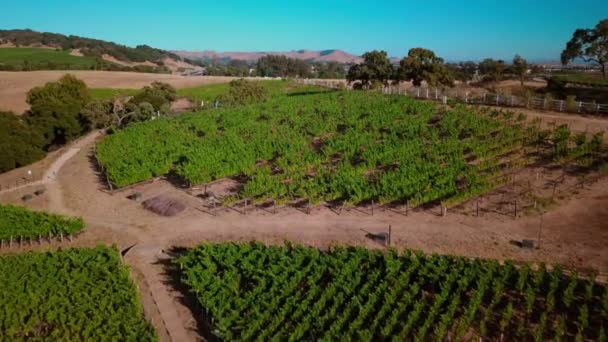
(445, 99)
(466, 97)
(597, 109)
(436, 94)
(497, 99)
(561, 105)
(580, 104)
(427, 92)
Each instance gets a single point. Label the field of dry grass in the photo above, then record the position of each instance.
(15, 85)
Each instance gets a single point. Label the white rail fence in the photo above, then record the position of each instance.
(485, 98)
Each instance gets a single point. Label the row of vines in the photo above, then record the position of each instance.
(70, 295)
(19, 222)
(352, 147)
(293, 293)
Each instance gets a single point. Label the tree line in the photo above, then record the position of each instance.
(64, 110)
(422, 65)
(88, 47)
(275, 66)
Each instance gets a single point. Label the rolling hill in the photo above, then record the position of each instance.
(31, 50)
(312, 55)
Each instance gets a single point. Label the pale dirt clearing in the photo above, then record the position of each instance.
(15, 85)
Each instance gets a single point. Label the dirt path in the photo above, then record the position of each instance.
(50, 174)
(574, 233)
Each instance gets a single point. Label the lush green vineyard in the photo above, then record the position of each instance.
(345, 146)
(18, 222)
(70, 295)
(251, 291)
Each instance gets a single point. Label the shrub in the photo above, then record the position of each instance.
(241, 92)
(98, 114)
(19, 143)
(571, 103)
(158, 94)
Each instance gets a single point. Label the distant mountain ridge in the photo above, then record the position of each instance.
(311, 55)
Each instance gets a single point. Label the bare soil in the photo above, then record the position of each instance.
(15, 85)
(573, 230)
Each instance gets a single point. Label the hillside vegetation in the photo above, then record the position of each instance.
(39, 58)
(27, 50)
(87, 46)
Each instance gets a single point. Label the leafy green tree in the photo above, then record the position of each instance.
(590, 45)
(158, 94)
(375, 69)
(282, 66)
(98, 114)
(422, 65)
(19, 143)
(520, 68)
(56, 109)
(492, 69)
(331, 69)
(463, 71)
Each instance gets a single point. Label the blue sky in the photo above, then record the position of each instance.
(455, 30)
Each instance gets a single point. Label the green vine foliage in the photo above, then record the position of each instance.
(295, 293)
(18, 222)
(348, 146)
(70, 295)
